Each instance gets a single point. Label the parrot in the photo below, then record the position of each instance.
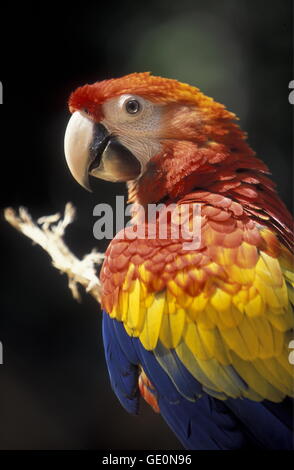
(200, 331)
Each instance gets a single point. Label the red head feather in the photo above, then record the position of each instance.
(156, 89)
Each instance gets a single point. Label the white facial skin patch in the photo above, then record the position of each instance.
(139, 131)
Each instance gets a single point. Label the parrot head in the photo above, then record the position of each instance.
(150, 131)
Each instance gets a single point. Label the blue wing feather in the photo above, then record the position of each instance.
(265, 423)
(123, 374)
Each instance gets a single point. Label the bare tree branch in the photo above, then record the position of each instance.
(48, 232)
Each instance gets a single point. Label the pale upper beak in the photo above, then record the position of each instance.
(90, 149)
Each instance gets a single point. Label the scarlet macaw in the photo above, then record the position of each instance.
(202, 333)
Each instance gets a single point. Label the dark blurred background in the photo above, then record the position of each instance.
(54, 388)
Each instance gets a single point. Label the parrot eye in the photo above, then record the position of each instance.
(128, 109)
(132, 106)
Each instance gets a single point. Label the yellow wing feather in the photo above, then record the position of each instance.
(233, 336)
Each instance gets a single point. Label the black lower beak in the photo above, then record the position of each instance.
(100, 140)
(109, 159)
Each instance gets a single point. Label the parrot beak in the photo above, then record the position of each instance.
(90, 149)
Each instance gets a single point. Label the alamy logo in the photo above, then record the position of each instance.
(291, 94)
(180, 222)
(291, 355)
